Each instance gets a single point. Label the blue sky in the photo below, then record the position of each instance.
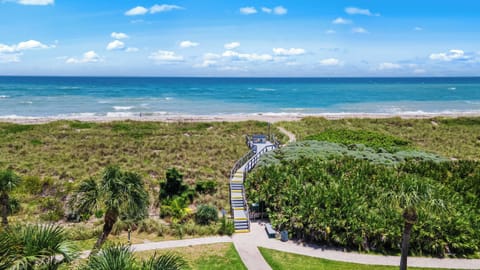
(240, 38)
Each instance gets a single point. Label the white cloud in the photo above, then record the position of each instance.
(389, 66)
(449, 56)
(131, 49)
(139, 10)
(247, 56)
(206, 64)
(36, 2)
(115, 45)
(88, 57)
(341, 20)
(359, 11)
(330, 32)
(280, 10)
(417, 28)
(288, 52)
(211, 56)
(188, 44)
(12, 53)
(267, 10)
(359, 30)
(331, 62)
(116, 35)
(163, 8)
(232, 45)
(166, 56)
(248, 10)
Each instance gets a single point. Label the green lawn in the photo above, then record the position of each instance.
(205, 257)
(282, 260)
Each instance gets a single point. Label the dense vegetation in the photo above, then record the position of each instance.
(449, 137)
(348, 201)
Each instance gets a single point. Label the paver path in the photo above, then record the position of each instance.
(291, 137)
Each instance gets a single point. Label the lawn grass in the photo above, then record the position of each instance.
(204, 257)
(449, 137)
(279, 260)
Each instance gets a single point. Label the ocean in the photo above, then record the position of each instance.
(65, 97)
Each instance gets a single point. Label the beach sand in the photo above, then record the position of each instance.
(272, 118)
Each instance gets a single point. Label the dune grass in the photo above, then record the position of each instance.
(450, 137)
(279, 260)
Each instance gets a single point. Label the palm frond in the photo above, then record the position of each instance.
(168, 261)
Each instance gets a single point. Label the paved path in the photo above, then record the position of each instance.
(174, 244)
(290, 135)
(258, 237)
(246, 245)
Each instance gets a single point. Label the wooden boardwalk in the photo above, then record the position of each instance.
(238, 174)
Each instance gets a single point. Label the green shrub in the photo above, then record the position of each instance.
(81, 232)
(226, 227)
(52, 209)
(206, 187)
(206, 214)
(14, 206)
(31, 185)
(173, 184)
(368, 138)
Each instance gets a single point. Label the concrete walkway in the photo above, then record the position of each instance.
(258, 238)
(291, 137)
(246, 245)
(174, 244)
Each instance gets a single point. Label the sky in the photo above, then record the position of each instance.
(284, 38)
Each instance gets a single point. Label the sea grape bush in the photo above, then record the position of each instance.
(321, 196)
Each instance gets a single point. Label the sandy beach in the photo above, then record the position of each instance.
(272, 118)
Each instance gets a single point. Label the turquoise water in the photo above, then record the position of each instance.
(114, 97)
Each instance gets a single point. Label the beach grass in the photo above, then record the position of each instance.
(279, 260)
(457, 138)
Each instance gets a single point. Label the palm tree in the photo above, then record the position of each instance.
(412, 194)
(120, 194)
(8, 181)
(120, 257)
(35, 247)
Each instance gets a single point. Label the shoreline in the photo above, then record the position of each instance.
(265, 117)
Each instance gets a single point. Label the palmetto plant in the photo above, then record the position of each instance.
(120, 194)
(120, 257)
(8, 181)
(35, 247)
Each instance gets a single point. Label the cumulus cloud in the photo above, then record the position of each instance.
(36, 2)
(248, 10)
(188, 44)
(359, 11)
(88, 57)
(359, 30)
(280, 10)
(330, 62)
(139, 10)
(247, 56)
(12, 53)
(452, 55)
(209, 60)
(389, 66)
(115, 45)
(267, 10)
(163, 8)
(211, 56)
(116, 35)
(341, 20)
(166, 56)
(288, 52)
(232, 45)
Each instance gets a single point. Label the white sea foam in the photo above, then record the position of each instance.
(168, 98)
(120, 114)
(260, 89)
(4, 97)
(452, 88)
(26, 102)
(123, 108)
